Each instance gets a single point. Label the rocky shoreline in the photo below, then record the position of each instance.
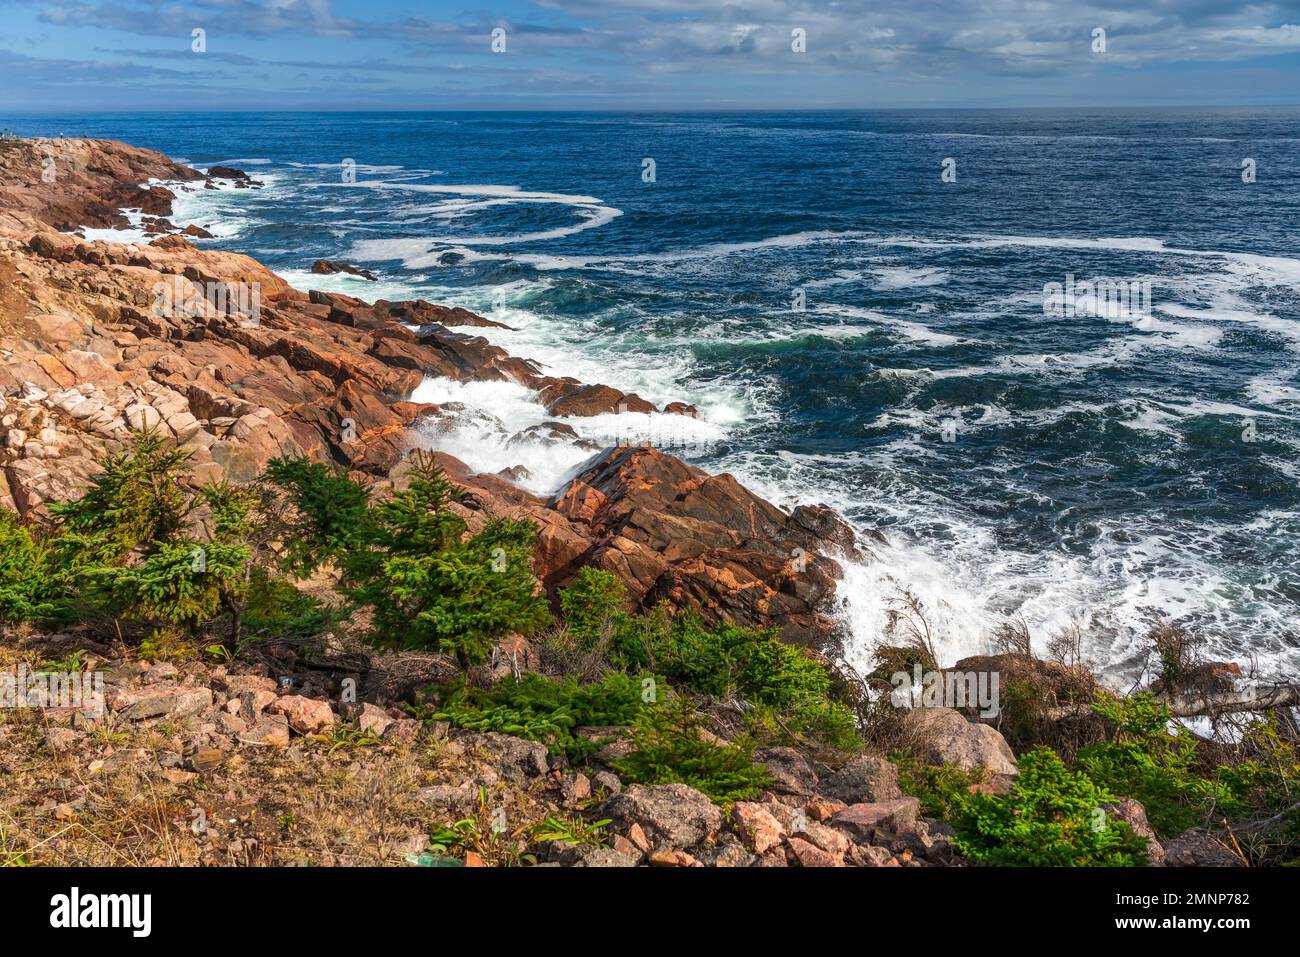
(87, 354)
(327, 751)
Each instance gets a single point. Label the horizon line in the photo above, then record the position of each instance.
(698, 110)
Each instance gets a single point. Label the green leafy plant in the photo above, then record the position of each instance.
(1052, 817)
(941, 788)
(545, 709)
(1146, 762)
(410, 560)
(671, 746)
(569, 829)
(486, 834)
(793, 692)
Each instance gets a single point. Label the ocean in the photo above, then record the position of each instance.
(856, 303)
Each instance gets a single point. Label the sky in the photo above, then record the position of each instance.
(92, 55)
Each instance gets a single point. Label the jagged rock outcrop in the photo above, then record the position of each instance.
(99, 338)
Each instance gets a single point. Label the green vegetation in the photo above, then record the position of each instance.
(1176, 785)
(545, 709)
(147, 556)
(409, 559)
(139, 547)
(1052, 817)
(791, 691)
(146, 553)
(670, 743)
(671, 746)
(941, 788)
(27, 589)
(1147, 763)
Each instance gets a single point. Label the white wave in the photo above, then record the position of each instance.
(1280, 269)
(908, 277)
(590, 352)
(1273, 390)
(385, 287)
(916, 331)
(423, 252)
(222, 211)
(625, 261)
(488, 432)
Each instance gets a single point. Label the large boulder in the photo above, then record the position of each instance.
(943, 736)
(1199, 849)
(671, 815)
(864, 780)
(676, 534)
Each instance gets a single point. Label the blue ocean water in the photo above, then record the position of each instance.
(859, 329)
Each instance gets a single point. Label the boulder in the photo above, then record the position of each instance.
(864, 821)
(864, 780)
(757, 825)
(324, 267)
(671, 815)
(515, 759)
(1199, 849)
(157, 703)
(305, 715)
(806, 854)
(790, 772)
(943, 736)
(269, 729)
(373, 720)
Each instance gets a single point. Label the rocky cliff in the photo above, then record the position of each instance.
(100, 338)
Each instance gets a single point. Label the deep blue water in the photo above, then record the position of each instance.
(1100, 468)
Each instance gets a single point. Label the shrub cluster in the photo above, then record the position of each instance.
(143, 550)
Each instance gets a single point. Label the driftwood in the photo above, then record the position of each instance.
(1252, 698)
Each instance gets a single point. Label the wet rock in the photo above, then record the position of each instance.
(324, 267)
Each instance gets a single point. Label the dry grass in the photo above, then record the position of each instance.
(331, 800)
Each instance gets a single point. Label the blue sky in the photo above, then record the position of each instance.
(73, 55)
